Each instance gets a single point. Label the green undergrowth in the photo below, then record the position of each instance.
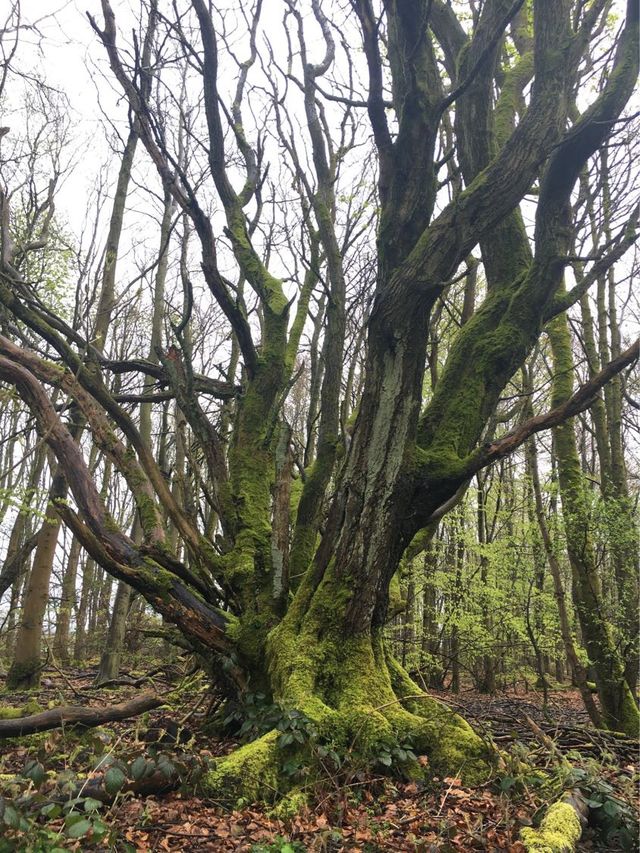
(55, 801)
(295, 766)
(612, 816)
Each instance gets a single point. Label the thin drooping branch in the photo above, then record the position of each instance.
(11, 284)
(151, 520)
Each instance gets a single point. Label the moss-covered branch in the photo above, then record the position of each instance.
(559, 831)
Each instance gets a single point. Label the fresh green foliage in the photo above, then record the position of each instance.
(615, 819)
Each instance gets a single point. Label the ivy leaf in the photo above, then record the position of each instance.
(611, 808)
(138, 767)
(98, 829)
(507, 782)
(79, 828)
(114, 779)
(35, 771)
(149, 768)
(166, 767)
(11, 816)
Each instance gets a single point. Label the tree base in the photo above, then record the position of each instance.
(360, 708)
(25, 675)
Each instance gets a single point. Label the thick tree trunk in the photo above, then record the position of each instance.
(326, 657)
(26, 665)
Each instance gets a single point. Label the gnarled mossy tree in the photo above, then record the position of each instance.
(315, 642)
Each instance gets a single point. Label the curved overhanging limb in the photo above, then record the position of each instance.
(179, 602)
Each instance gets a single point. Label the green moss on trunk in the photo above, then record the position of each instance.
(358, 700)
(619, 708)
(352, 690)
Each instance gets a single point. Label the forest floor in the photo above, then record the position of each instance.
(358, 812)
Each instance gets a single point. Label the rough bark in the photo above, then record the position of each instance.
(406, 464)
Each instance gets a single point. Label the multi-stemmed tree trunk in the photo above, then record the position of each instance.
(320, 647)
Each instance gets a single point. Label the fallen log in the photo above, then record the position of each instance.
(561, 827)
(78, 715)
